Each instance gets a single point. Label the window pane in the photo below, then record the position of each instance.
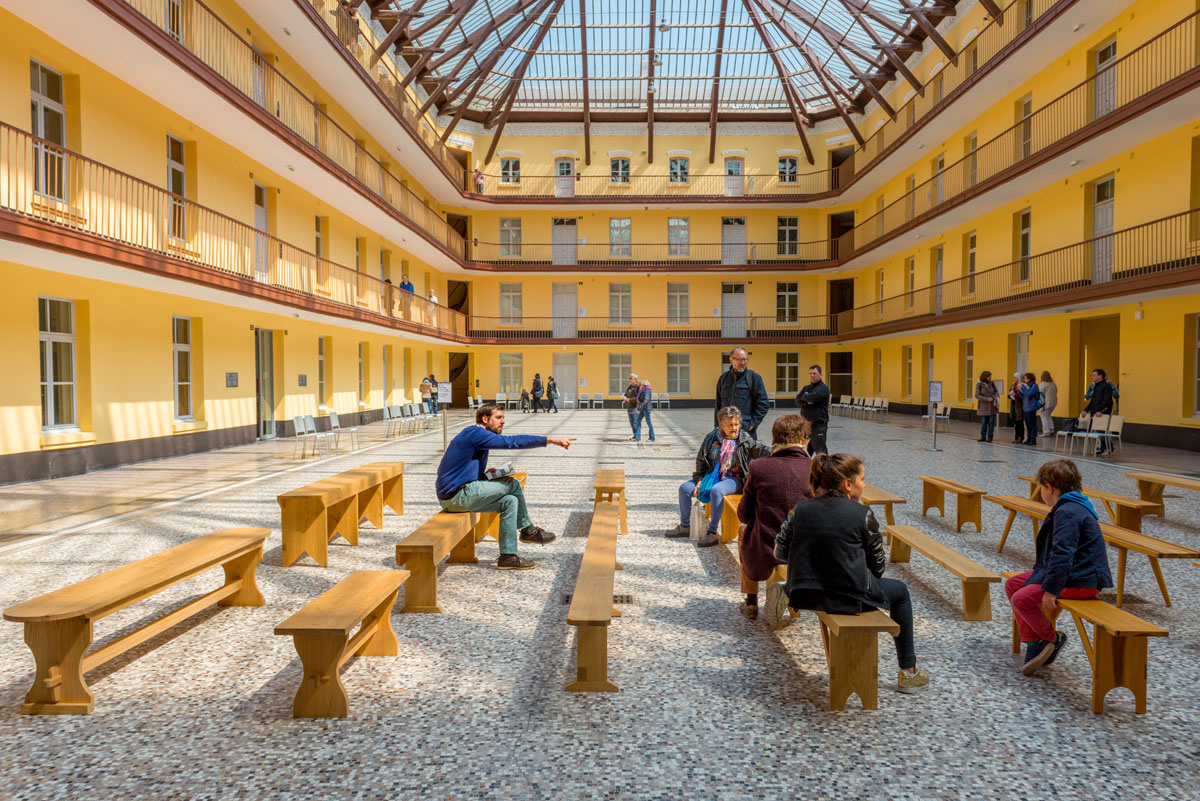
(64, 405)
(183, 366)
(183, 331)
(62, 365)
(56, 318)
(183, 403)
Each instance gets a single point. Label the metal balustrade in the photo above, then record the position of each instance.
(42, 181)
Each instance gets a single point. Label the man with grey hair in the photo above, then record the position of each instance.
(742, 388)
(631, 402)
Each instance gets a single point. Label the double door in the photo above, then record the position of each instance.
(733, 240)
(733, 310)
(563, 241)
(264, 382)
(564, 308)
(1103, 193)
(564, 178)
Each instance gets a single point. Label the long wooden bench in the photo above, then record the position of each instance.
(874, 496)
(445, 534)
(58, 625)
(1151, 485)
(488, 523)
(316, 513)
(591, 610)
(730, 526)
(852, 655)
(321, 634)
(976, 579)
(609, 487)
(1117, 651)
(1123, 511)
(933, 496)
(1119, 538)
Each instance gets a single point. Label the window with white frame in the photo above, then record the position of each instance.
(322, 397)
(789, 170)
(787, 302)
(48, 112)
(678, 303)
(510, 171)
(511, 367)
(618, 171)
(620, 365)
(967, 369)
(906, 359)
(969, 262)
(319, 241)
(1023, 242)
(910, 197)
(174, 19)
(678, 170)
(972, 159)
(787, 236)
(787, 372)
(56, 339)
(1021, 352)
(510, 237)
(620, 237)
(879, 291)
(177, 186)
(1025, 133)
(181, 336)
(678, 237)
(362, 373)
(679, 373)
(910, 281)
(359, 244)
(620, 304)
(877, 372)
(510, 304)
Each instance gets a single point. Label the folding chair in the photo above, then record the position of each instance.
(318, 436)
(1097, 429)
(771, 400)
(597, 400)
(336, 428)
(301, 438)
(666, 400)
(501, 401)
(568, 401)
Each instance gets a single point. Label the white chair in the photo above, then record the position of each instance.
(317, 436)
(886, 409)
(301, 438)
(1115, 424)
(944, 415)
(336, 428)
(585, 401)
(597, 400)
(501, 401)
(654, 400)
(665, 399)
(569, 401)
(420, 416)
(478, 401)
(771, 400)
(1100, 424)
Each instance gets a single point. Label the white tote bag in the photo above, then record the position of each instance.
(698, 524)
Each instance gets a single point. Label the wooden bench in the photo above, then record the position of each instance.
(730, 526)
(591, 609)
(976, 579)
(1123, 511)
(444, 534)
(321, 634)
(488, 523)
(1150, 488)
(933, 496)
(316, 513)
(874, 496)
(58, 625)
(1121, 539)
(852, 655)
(609, 487)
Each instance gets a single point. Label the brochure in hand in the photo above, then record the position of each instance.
(499, 471)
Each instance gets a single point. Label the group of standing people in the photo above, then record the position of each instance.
(638, 400)
(429, 393)
(1032, 402)
(531, 399)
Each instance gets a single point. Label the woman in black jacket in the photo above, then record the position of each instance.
(835, 558)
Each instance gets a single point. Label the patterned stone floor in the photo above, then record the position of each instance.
(711, 705)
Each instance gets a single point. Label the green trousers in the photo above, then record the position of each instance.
(503, 495)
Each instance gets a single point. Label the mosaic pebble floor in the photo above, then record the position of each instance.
(711, 705)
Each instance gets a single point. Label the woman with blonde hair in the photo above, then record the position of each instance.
(1050, 399)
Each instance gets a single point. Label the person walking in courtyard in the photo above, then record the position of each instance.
(644, 398)
(1072, 562)
(537, 390)
(630, 400)
(1030, 398)
(463, 486)
(433, 393)
(987, 398)
(426, 395)
(774, 485)
(722, 463)
(1015, 414)
(524, 399)
(551, 395)
(835, 559)
(742, 388)
(1049, 403)
(813, 401)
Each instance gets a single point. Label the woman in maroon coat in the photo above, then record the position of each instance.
(774, 485)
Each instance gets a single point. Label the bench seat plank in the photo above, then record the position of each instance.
(975, 578)
(969, 509)
(1150, 488)
(344, 605)
(314, 514)
(1123, 511)
(874, 496)
(609, 485)
(444, 534)
(1118, 650)
(852, 655)
(591, 609)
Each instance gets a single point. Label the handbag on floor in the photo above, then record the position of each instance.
(697, 524)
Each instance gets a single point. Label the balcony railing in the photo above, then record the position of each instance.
(974, 58)
(1103, 266)
(200, 31)
(43, 181)
(639, 255)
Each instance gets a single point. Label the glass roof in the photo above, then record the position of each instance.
(534, 54)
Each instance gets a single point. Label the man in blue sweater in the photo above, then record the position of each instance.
(463, 486)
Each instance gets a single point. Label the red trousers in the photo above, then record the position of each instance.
(1026, 601)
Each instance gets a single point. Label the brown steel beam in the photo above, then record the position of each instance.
(716, 86)
(421, 65)
(587, 110)
(994, 10)
(650, 83)
(399, 27)
(788, 90)
(855, 9)
(924, 24)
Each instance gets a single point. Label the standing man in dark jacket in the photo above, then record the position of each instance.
(813, 401)
(537, 390)
(630, 400)
(1100, 401)
(742, 388)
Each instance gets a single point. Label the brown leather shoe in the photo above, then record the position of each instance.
(538, 536)
(708, 540)
(511, 561)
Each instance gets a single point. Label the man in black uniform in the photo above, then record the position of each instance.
(813, 401)
(743, 388)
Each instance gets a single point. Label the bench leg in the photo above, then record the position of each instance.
(853, 660)
(1012, 514)
(591, 675)
(1120, 662)
(1128, 518)
(463, 552)
(383, 641)
(888, 515)
(321, 693)
(420, 591)
(343, 520)
(1162, 584)
(977, 600)
(1122, 553)
(393, 493)
(58, 686)
(1152, 492)
(488, 526)
(933, 497)
(901, 551)
(243, 569)
(624, 516)
(970, 511)
(305, 530)
(370, 506)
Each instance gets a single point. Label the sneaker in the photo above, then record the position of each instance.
(1059, 642)
(1036, 654)
(708, 540)
(511, 561)
(777, 602)
(679, 531)
(749, 612)
(912, 682)
(538, 536)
